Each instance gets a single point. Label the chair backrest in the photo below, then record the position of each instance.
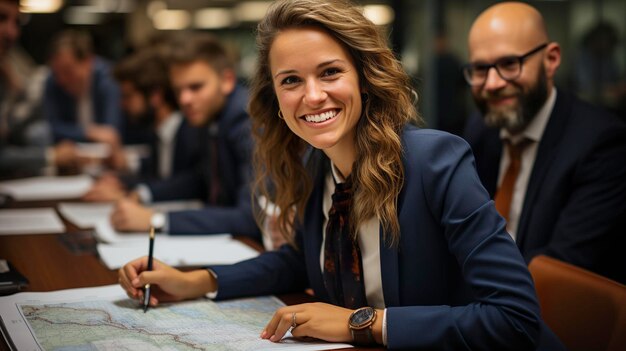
(585, 310)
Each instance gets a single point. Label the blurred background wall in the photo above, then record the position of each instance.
(429, 37)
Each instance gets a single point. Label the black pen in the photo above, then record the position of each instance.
(146, 291)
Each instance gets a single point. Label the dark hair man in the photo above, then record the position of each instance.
(203, 76)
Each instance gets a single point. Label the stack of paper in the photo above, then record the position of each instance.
(87, 215)
(47, 188)
(178, 251)
(30, 221)
(116, 249)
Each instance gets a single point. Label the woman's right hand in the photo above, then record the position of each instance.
(167, 283)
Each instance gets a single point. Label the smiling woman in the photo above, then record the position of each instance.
(320, 98)
(353, 77)
(394, 232)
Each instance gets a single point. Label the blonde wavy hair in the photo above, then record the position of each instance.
(378, 174)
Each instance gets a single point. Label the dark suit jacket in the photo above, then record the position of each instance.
(455, 281)
(60, 107)
(229, 138)
(575, 204)
(186, 156)
(187, 151)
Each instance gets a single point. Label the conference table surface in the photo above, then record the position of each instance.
(69, 260)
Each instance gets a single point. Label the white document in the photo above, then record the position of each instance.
(117, 249)
(104, 232)
(88, 214)
(179, 251)
(104, 318)
(85, 214)
(47, 188)
(30, 221)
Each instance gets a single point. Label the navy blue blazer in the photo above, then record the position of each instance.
(187, 147)
(229, 138)
(60, 107)
(575, 204)
(456, 281)
(187, 154)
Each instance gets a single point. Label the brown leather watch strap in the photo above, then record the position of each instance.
(363, 336)
(360, 323)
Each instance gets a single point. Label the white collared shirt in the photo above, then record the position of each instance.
(533, 132)
(166, 133)
(84, 109)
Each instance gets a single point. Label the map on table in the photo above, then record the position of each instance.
(105, 319)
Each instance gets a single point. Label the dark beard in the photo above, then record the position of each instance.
(515, 121)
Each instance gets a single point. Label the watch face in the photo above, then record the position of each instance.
(361, 316)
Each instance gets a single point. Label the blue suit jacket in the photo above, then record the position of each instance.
(187, 154)
(575, 204)
(456, 281)
(60, 107)
(232, 145)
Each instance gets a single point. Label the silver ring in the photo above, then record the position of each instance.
(293, 320)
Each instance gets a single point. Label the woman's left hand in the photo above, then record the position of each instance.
(317, 320)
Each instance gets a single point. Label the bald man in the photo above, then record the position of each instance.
(567, 198)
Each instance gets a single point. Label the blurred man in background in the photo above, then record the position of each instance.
(82, 101)
(148, 99)
(203, 76)
(24, 135)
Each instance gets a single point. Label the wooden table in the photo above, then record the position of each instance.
(49, 263)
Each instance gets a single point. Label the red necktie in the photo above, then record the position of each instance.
(504, 195)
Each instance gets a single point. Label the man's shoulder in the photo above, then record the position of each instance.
(101, 66)
(476, 129)
(102, 77)
(585, 119)
(236, 108)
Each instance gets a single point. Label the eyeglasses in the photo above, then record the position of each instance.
(509, 68)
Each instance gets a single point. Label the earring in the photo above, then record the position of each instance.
(280, 115)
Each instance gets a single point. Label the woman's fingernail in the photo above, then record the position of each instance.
(263, 334)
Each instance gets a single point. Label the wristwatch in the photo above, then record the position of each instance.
(360, 323)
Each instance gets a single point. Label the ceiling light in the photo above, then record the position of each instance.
(379, 14)
(40, 6)
(251, 11)
(212, 18)
(171, 19)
